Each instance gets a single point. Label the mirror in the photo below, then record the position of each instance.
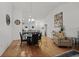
(7, 19)
(17, 22)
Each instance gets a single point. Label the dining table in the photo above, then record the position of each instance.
(32, 37)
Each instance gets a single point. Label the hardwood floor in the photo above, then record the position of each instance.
(46, 48)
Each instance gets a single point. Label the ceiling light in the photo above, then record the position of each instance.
(29, 20)
(33, 20)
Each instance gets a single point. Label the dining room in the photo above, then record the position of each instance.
(39, 29)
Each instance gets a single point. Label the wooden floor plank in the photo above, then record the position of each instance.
(46, 48)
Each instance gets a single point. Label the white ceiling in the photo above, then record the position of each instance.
(36, 9)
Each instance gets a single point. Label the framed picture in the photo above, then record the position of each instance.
(58, 20)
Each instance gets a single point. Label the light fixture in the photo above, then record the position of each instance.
(31, 19)
(36, 24)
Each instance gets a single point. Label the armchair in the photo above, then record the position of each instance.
(60, 40)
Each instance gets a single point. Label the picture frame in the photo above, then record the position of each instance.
(58, 20)
(17, 22)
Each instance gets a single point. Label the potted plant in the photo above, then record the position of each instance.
(62, 28)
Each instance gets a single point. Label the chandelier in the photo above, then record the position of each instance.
(31, 19)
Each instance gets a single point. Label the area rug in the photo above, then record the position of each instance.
(70, 53)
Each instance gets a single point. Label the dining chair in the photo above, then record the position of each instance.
(40, 38)
(40, 35)
(35, 38)
(29, 38)
(22, 37)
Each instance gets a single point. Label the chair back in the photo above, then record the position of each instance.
(21, 36)
(35, 38)
(39, 36)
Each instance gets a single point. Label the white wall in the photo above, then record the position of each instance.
(70, 19)
(20, 14)
(5, 30)
(49, 21)
(17, 14)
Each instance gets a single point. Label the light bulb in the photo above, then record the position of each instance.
(32, 20)
(29, 20)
